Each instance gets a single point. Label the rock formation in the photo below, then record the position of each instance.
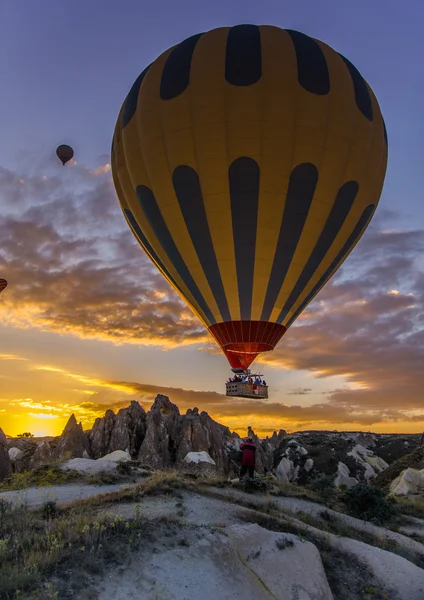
(124, 431)
(158, 449)
(73, 443)
(5, 464)
(161, 438)
(302, 456)
(410, 481)
(43, 455)
(200, 433)
(129, 429)
(101, 433)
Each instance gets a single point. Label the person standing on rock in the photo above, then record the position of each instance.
(248, 449)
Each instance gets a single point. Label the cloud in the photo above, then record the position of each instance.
(11, 357)
(42, 416)
(367, 328)
(73, 265)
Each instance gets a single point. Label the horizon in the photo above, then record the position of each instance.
(238, 432)
(262, 436)
(86, 322)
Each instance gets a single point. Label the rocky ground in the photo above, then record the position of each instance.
(171, 537)
(149, 505)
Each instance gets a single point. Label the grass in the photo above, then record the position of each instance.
(38, 549)
(289, 490)
(54, 553)
(44, 475)
(411, 505)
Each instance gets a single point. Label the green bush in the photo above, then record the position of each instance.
(368, 502)
(49, 510)
(324, 486)
(257, 484)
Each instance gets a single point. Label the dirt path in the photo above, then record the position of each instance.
(62, 494)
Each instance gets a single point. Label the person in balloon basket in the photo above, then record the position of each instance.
(248, 448)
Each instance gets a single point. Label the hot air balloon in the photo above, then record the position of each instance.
(3, 284)
(248, 162)
(64, 153)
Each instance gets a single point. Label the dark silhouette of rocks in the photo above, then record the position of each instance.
(197, 433)
(161, 438)
(5, 464)
(124, 431)
(158, 449)
(129, 429)
(73, 443)
(101, 433)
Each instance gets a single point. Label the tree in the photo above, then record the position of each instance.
(26, 434)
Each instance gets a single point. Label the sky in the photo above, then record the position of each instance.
(87, 324)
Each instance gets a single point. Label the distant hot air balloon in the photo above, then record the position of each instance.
(3, 284)
(64, 153)
(248, 162)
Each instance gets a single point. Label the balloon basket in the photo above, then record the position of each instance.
(246, 389)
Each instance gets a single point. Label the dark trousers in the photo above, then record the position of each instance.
(244, 470)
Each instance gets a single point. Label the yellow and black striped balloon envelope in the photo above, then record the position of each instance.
(3, 284)
(248, 162)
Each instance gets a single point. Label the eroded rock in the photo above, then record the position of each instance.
(5, 463)
(73, 443)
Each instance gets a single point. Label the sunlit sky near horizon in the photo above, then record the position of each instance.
(87, 324)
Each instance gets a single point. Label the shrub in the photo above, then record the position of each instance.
(284, 543)
(324, 486)
(258, 484)
(124, 467)
(49, 510)
(368, 502)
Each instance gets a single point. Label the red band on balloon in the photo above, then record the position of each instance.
(242, 341)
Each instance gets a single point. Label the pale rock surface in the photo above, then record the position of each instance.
(106, 464)
(308, 464)
(88, 466)
(410, 481)
(359, 437)
(283, 470)
(116, 456)
(43, 455)
(372, 464)
(400, 578)
(199, 457)
(343, 477)
(245, 564)
(281, 561)
(15, 454)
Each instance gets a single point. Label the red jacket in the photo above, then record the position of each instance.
(248, 456)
